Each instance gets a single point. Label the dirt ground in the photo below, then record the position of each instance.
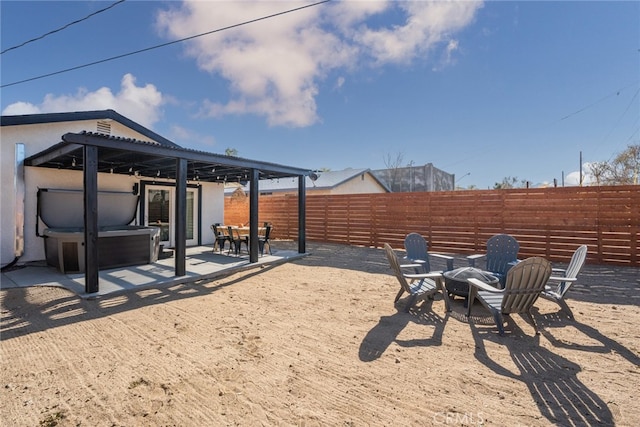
(317, 342)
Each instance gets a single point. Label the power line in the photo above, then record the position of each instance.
(63, 27)
(635, 95)
(615, 93)
(163, 44)
(490, 148)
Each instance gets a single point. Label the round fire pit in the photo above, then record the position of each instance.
(456, 281)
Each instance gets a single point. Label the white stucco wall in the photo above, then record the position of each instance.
(212, 209)
(38, 137)
(362, 184)
(7, 200)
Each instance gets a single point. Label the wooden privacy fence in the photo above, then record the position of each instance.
(548, 222)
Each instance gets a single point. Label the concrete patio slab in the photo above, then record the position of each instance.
(201, 264)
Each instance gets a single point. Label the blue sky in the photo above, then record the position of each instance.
(484, 90)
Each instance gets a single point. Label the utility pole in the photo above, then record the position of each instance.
(580, 168)
(411, 176)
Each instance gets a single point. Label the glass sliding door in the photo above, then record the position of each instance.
(191, 215)
(160, 211)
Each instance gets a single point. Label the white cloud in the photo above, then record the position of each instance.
(186, 137)
(427, 25)
(452, 47)
(139, 103)
(275, 66)
(447, 55)
(20, 108)
(573, 178)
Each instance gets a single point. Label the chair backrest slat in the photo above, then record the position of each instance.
(417, 247)
(395, 266)
(502, 249)
(233, 233)
(574, 267)
(524, 283)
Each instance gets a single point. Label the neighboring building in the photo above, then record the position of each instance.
(45, 153)
(347, 181)
(416, 178)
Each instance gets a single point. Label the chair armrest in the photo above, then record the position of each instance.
(562, 279)
(414, 260)
(474, 285)
(481, 285)
(472, 259)
(447, 258)
(431, 275)
(410, 265)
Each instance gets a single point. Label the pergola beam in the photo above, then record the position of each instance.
(90, 178)
(181, 217)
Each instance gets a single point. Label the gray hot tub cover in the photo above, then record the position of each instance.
(65, 208)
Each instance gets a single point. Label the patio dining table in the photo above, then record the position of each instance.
(244, 233)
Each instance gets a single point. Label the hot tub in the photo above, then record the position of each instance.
(117, 247)
(119, 244)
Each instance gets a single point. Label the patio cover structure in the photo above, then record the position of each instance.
(95, 152)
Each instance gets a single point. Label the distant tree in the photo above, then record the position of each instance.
(510, 182)
(468, 187)
(625, 167)
(238, 193)
(231, 152)
(393, 173)
(599, 171)
(622, 170)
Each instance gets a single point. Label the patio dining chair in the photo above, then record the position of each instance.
(263, 239)
(417, 285)
(561, 280)
(523, 285)
(236, 240)
(221, 237)
(501, 255)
